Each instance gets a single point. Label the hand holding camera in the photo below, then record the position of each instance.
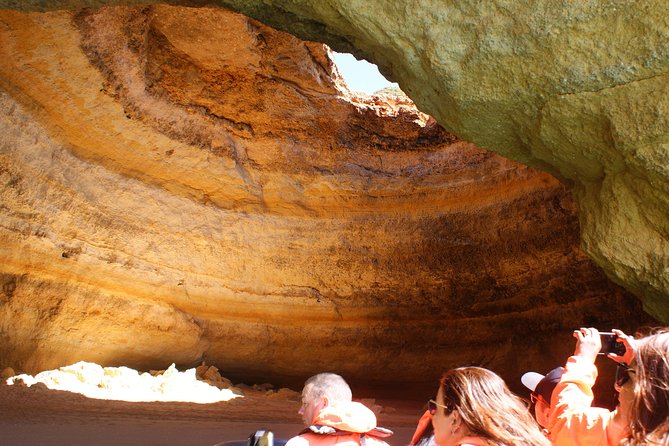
(623, 351)
(610, 344)
(590, 342)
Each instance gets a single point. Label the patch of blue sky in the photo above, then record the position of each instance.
(360, 75)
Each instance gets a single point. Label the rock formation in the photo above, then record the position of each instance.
(575, 89)
(187, 184)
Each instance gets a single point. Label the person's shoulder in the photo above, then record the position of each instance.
(585, 426)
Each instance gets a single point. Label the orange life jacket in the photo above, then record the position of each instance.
(343, 424)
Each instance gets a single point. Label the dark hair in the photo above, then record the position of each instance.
(489, 409)
(649, 414)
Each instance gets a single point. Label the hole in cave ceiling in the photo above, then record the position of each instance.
(362, 76)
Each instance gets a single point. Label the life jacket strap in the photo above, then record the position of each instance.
(378, 432)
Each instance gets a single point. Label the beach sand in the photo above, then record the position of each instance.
(40, 416)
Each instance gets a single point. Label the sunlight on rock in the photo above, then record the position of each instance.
(126, 384)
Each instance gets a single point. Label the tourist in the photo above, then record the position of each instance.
(572, 420)
(541, 390)
(642, 382)
(332, 418)
(645, 395)
(475, 407)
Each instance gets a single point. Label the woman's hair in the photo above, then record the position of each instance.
(649, 414)
(489, 409)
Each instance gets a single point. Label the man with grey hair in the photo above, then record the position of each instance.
(333, 419)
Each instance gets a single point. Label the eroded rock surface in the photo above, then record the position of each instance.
(181, 185)
(578, 89)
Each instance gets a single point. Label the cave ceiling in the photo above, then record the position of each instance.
(188, 184)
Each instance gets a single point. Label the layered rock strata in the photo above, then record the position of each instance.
(180, 185)
(573, 88)
(578, 89)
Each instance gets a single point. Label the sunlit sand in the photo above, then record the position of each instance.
(126, 384)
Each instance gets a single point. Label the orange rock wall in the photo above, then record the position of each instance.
(180, 185)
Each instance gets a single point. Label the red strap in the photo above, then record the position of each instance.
(423, 424)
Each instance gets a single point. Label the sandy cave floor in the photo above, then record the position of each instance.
(39, 416)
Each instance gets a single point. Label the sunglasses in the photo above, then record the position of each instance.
(432, 407)
(623, 374)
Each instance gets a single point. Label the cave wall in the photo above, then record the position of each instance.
(187, 184)
(575, 89)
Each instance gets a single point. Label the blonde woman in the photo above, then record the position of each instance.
(474, 407)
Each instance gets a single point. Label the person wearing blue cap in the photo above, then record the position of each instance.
(541, 390)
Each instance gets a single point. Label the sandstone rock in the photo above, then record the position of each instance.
(180, 184)
(211, 375)
(562, 86)
(39, 387)
(264, 387)
(6, 373)
(286, 394)
(238, 390)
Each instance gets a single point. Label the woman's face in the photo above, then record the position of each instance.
(443, 424)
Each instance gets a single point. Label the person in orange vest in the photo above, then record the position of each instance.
(572, 421)
(642, 382)
(474, 407)
(333, 419)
